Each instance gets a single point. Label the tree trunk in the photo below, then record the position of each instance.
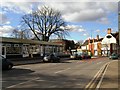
(45, 38)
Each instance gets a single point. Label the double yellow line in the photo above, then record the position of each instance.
(97, 79)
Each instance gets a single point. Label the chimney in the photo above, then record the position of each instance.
(88, 40)
(97, 37)
(93, 40)
(109, 31)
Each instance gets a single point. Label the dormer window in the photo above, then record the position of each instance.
(109, 36)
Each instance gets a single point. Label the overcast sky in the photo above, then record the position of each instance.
(87, 18)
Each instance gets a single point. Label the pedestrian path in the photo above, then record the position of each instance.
(30, 61)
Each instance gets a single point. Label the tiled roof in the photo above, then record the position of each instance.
(91, 41)
(25, 41)
(116, 35)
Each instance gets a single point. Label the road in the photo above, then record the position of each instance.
(67, 74)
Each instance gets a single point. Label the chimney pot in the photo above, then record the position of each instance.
(109, 31)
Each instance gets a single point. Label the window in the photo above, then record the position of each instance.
(8, 45)
(16, 45)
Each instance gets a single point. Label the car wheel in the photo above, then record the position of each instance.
(52, 61)
(44, 61)
(10, 66)
(58, 61)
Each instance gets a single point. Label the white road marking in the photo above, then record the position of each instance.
(23, 82)
(62, 70)
(40, 80)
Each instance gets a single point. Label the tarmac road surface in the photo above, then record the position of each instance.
(67, 74)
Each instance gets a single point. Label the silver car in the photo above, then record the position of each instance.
(51, 58)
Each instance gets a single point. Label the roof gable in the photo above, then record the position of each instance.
(91, 41)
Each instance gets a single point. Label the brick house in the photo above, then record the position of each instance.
(93, 46)
(102, 46)
(68, 45)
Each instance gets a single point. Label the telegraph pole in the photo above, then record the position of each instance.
(91, 43)
(91, 34)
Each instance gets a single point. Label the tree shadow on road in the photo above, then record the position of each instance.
(57, 81)
(16, 72)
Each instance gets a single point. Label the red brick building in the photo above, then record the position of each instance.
(102, 46)
(93, 46)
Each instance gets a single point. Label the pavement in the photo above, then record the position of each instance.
(111, 77)
(23, 61)
(29, 61)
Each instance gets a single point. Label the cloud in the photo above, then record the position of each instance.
(97, 30)
(84, 11)
(6, 30)
(16, 7)
(85, 15)
(8, 22)
(75, 28)
(4, 19)
(85, 34)
(103, 20)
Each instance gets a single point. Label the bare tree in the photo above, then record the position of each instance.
(22, 34)
(15, 33)
(79, 44)
(44, 23)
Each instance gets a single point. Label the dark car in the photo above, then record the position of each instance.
(114, 56)
(6, 64)
(51, 58)
(85, 56)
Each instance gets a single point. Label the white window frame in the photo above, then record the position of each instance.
(8, 45)
(16, 45)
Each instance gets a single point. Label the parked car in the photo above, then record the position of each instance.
(51, 58)
(85, 56)
(6, 64)
(76, 56)
(114, 56)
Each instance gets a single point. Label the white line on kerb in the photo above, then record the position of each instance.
(62, 70)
